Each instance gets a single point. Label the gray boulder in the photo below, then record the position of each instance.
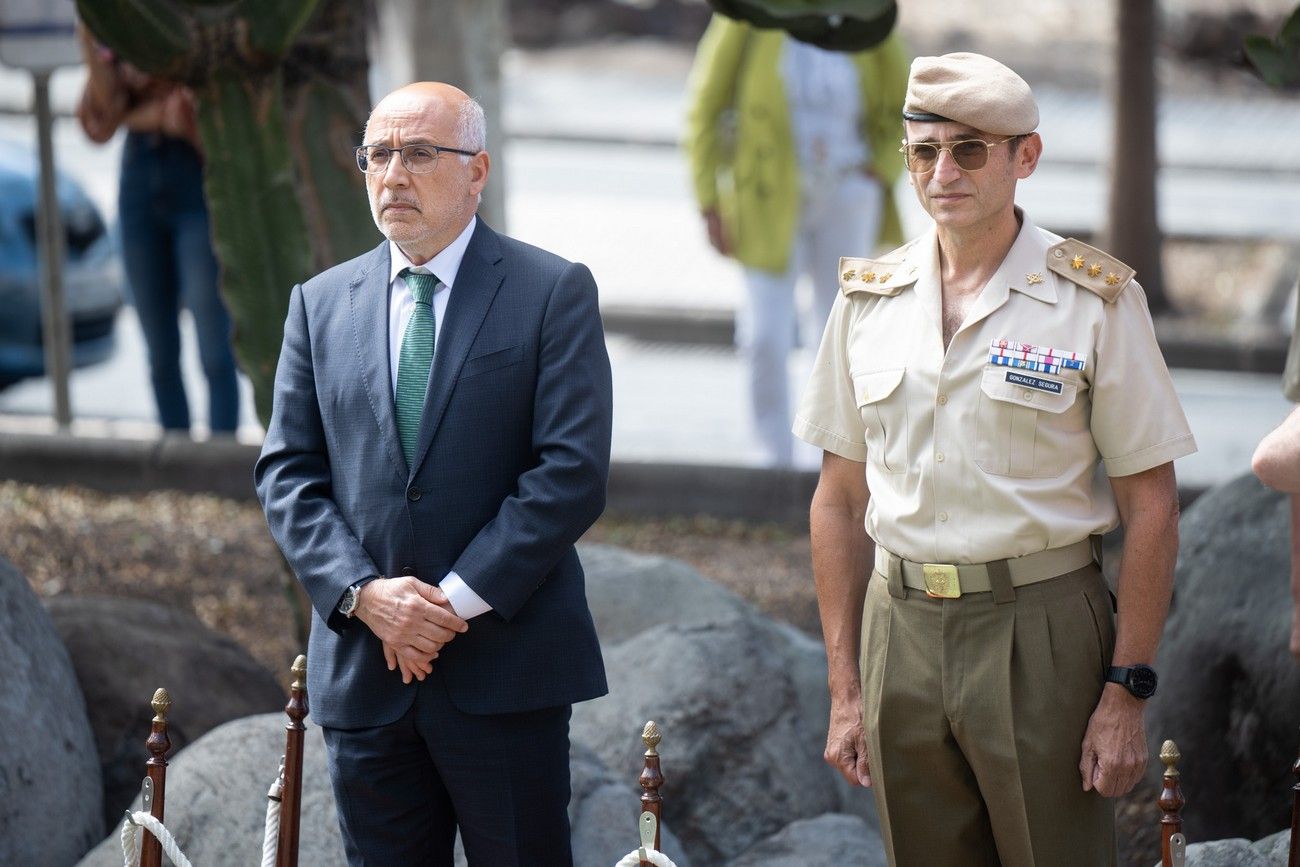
(806, 665)
(50, 806)
(1274, 849)
(1228, 688)
(737, 765)
(629, 593)
(1225, 853)
(216, 798)
(832, 840)
(124, 649)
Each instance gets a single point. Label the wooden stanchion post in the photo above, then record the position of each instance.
(651, 779)
(1171, 804)
(155, 783)
(286, 854)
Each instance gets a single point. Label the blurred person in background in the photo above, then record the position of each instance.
(166, 241)
(793, 153)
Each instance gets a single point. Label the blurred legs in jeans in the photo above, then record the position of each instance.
(167, 248)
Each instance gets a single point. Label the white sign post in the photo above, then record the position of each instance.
(40, 36)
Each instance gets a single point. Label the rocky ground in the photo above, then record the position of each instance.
(215, 558)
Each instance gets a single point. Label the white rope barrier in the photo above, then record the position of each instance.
(653, 856)
(132, 840)
(271, 840)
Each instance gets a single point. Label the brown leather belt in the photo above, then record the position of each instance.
(951, 580)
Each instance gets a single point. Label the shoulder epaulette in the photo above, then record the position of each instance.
(1090, 268)
(888, 275)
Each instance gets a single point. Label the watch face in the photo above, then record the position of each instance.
(1142, 681)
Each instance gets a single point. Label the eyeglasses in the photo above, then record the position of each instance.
(969, 154)
(418, 159)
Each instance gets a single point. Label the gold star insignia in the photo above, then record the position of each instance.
(848, 275)
(1034, 279)
(1076, 263)
(1112, 279)
(884, 277)
(1094, 269)
(869, 277)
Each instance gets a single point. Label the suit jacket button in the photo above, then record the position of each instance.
(413, 494)
(408, 570)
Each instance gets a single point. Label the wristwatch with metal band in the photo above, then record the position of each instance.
(1137, 679)
(348, 604)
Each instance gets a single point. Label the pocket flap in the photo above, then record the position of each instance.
(1029, 389)
(876, 385)
(493, 360)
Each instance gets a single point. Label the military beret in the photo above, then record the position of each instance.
(971, 89)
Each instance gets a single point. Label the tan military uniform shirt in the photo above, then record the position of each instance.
(990, 450)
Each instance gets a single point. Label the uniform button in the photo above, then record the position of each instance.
(408, 570)
(943, 516)
(939, 457)
(413, 494)
(943, 400)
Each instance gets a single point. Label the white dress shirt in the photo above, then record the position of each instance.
(445, 266)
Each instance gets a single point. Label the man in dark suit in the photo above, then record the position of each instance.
(439, 441)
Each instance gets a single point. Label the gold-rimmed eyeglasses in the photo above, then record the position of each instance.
(970, 154)
(418, 159)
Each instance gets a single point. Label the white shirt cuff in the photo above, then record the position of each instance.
(464, 601)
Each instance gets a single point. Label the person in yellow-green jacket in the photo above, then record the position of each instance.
(793, 153)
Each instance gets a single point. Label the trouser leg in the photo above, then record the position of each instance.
(393, 807)
(976, 714)
(766, 337)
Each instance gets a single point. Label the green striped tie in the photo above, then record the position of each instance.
(415, 360)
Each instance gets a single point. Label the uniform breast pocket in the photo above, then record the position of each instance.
(884, 416)
(1016, 412)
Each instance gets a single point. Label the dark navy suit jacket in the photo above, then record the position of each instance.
(511, 468)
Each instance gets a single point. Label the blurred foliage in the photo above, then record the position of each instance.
(836, 25)
(1278, 60)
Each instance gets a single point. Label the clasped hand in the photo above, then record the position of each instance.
(414, 620)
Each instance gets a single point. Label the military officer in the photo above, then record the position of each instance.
(990, 398)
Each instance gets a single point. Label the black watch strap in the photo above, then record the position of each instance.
(1140, 680)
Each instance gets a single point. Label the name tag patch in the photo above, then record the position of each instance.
(1033, 382)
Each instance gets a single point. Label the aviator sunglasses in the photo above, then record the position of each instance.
(969, 154)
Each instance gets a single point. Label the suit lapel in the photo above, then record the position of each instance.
(368, 297)
(476, 285)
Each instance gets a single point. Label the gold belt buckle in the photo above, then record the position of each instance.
(941, 580)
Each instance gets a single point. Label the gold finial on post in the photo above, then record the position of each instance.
(1171, 804)
(299, 672)
(158, 745)
(651, 779)
(161, 703)
(1170, 756)
(651, 736)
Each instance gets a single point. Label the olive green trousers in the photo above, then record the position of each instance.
(975, 714)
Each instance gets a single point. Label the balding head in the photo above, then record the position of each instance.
(446, 106)
(423, 213)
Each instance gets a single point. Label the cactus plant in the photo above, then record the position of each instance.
(282, 98)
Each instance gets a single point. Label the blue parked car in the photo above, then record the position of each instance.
(92, 270)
